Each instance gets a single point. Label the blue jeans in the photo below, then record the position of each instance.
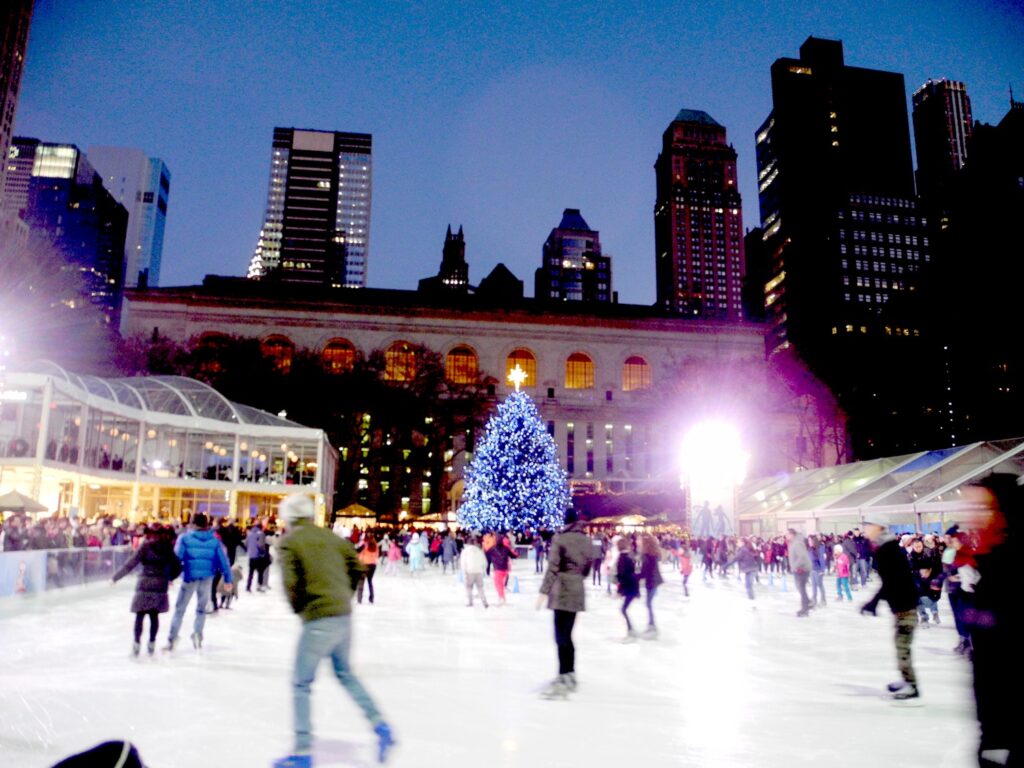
(320, 638)
(749, 577)
(650, 606)
(843, 582)
(864, 569)
(201, 589)
(818, 586)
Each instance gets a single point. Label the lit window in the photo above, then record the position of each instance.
(400, 362)
(460, 366)
(339, 356)
(579, 372)
(279, 350)
(636, 374)
(525, 360)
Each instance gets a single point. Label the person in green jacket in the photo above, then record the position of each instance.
(321, 572)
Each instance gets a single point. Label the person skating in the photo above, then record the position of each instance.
(685, 568)
(320, 572)
(368, 556)
(568, 565)
(650, 575)
(900, 592)
(628, 585)
(256, 551)
(926, 568)
(473, 563)
(819, 565)
(746, 561)
(201, 555)
(500, 557)
(449, 552)
(842, 560)
(800, 563)
(160, 566)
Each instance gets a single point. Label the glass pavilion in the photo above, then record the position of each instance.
(918, 491)
(156, 447)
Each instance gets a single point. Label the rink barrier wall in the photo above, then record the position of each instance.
(34, 571)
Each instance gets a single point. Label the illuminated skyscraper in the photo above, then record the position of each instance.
(573, 267)
(317, 224)
(15, 17)
(942, 127)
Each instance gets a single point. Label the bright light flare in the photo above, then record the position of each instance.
(712, 455)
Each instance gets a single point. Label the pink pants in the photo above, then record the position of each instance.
(499, 583)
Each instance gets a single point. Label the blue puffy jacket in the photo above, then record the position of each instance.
(202, 555)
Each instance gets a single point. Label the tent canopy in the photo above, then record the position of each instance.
(17, 502)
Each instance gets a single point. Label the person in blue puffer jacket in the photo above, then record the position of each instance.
(202, 556)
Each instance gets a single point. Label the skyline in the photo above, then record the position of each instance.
(496, 127)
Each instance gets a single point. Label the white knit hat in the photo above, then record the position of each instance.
(296, 507)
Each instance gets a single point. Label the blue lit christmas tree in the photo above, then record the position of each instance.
(515, 482)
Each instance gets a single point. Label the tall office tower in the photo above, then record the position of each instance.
(453, 276)
(142, 185)
(317, 225)
(573, 268)
(942, 128)
(698, 220)
(843, 234)
(21, 157)
(69, 209)
(15, 17)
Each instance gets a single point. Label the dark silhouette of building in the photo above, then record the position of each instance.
(317, 225)
(942, 128)
(453, 277)
(573, 268)
(845, 238)
(756, 275)
(501, 287)
(68, 208)
(15, 18)
(698, 220)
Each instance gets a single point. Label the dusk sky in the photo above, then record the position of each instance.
(494, 118)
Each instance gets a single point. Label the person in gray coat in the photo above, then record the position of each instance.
(569, 562)
(160, 566)
(800, 563)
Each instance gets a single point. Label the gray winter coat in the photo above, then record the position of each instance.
(156, 558)
(799, 556)
(569, 561)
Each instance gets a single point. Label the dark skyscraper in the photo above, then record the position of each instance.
(317, 224)
(15, 17)
(698, 220)
(453, 277)
(573, 267)
(843, 233)
(942, 128)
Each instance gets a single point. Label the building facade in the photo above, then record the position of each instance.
(698, 221)
(573, 268)
(317, 225)
(452, 278)
(15, 18)
(142, 185)
(942, 128)
(69, 209)
(617, 386)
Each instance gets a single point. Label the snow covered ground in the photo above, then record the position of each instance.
(724, 685)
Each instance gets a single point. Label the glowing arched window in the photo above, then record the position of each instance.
(636, 374)
(400, 362)
(460, 366)
(579, 372)
(280, 350)
(525, 360)
(339, 356)
(208, 351)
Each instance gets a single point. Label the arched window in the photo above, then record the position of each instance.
(208, 351)
(339, 355)
(460, 365)
(636, 374)
(579, 372)
(524, 359)
(400, 362)
(280, 350)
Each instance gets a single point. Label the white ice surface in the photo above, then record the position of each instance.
(724, 685)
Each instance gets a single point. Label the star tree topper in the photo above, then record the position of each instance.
(517, 376)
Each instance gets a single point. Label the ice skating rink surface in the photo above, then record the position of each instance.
(723, 685)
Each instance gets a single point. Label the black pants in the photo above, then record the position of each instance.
(367, 578)
(801, 578)
(595, 577)
(564, 621)
(213, 589)
(257, 565)
(154, 625)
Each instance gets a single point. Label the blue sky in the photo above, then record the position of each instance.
(495, 117)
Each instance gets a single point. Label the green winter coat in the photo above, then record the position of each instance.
(569, 561)
(320, 570)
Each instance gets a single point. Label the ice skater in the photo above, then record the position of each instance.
(685, 568)
(159, 567)
(473, 563)
(800, 562)
(899, 590)
(650, 574)
(628, 585)
(416, 554)
(320, 572)
(842, 561)
(368, 556)
(500, 557)
(563, 589)
(201, 555)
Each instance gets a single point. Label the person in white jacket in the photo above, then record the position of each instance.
(473, 563)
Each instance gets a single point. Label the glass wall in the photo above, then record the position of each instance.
(20, 414)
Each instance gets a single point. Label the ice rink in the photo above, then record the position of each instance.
(724, 685)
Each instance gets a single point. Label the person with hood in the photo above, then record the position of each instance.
(473, 563)
(320, 572)
(159, 567)
(415, 551)
(899, 590)
(563, 589)
(800, 563)
(201, 555)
